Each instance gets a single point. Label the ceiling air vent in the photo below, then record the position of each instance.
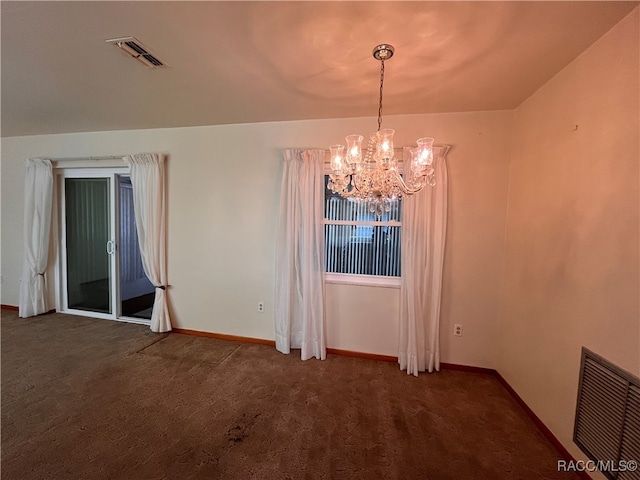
(134, 48)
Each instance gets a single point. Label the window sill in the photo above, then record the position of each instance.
(362, 280)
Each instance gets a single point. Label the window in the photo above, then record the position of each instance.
(361, 247)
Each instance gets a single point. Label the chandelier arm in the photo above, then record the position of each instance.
(404, 187)
(340, 184)
(354, 181)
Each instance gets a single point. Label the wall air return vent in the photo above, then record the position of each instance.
(607, 426)
(135, 49)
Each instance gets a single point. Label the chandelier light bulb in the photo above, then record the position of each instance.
(425, 151)
(354, 149)
(384, 150)
(337, 163)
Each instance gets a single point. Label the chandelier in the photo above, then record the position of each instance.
(375, 177)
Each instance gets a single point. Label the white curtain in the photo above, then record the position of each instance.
(149, 204)
(424, 225)
(38, 201)
(299, 306)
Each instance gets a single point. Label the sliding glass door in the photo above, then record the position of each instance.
(101, 273)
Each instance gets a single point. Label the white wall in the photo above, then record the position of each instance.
(224, 189)
(571, 274)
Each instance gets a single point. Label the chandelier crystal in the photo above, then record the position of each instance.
(374, 176)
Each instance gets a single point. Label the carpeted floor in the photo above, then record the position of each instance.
(96, 399)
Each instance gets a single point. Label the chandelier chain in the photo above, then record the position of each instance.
(380, 100)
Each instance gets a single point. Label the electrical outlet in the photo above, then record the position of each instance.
(457, 330)
(261, 307)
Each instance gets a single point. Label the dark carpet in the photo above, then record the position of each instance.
(95, 399)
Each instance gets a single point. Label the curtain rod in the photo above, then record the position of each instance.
(73, 159)
(445, 147)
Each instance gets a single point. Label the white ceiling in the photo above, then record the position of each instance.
(242, 62)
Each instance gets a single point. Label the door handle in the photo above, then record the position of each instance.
(111, 247)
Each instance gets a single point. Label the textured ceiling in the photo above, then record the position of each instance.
(243, 62)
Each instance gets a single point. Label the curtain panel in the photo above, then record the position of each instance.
(424, 225)
(149, 203)
(300, 293)
(38, 206)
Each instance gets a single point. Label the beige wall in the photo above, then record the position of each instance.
(224, 189)
(571, 273)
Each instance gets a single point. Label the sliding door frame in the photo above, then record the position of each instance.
(114, 259)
